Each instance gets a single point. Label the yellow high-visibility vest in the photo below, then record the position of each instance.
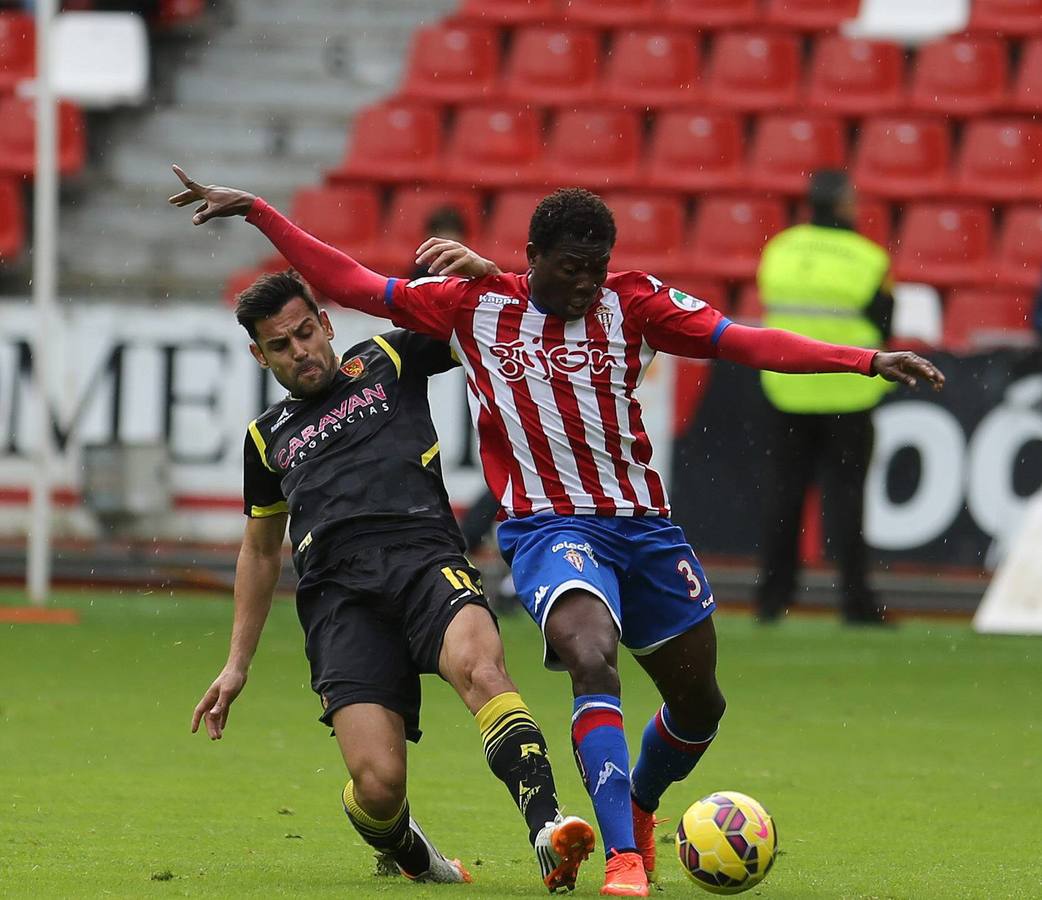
(819, 282)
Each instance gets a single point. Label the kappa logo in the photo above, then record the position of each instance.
(605, 774)
(498, 299)
(353, 367)
(575, 558)
(685, 301)
(540, 594)
(281, 421)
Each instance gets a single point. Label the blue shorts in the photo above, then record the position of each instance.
(642, 568)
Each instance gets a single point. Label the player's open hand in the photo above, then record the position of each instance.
(217, 202)
(213, 708)
(907, 368)
(442, 256)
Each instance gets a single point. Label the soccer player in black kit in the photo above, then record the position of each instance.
(349, 460)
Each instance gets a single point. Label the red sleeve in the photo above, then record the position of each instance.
(669, 319)
(427, 305)
(783, 351)
(332, 273)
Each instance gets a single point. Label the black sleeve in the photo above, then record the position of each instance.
(421, 354)
(261, 488)
(880, 312)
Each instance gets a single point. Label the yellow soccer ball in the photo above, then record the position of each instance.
(726, 842)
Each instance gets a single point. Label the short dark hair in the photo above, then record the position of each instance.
(571, 214)
(825, 190)
(267, 295)
(445, 218)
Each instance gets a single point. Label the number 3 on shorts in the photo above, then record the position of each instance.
(461, 580)
(694, 590)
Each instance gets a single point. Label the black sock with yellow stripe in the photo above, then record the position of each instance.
(393, 836)
(516, 754)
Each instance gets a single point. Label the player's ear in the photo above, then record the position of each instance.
(531, 253)
(258, 355)
(327, 326)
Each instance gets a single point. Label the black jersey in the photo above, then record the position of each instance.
(361, 459)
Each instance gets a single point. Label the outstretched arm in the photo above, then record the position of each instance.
(784, 351)
(334, 274)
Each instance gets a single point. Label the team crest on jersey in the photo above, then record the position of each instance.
(575, 558)
(685, 301)
(604, 316)
(353, 367)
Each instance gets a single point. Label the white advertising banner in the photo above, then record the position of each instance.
(183, 376)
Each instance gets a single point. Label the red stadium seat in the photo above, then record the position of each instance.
(509, 12)
(729, 233)
(1019, 257)
(650, 233)
(552, 66)
(495, 145)
(406, 224)
(452, 63)
(18, 137)
(1027, 87)
(810, 15)
(748, 309)
(874, 220)
(980, 319)
(856, 77)
(507, 232)
(901, 157)
(1012, 17)
(241, 279)
(610, 13)
(594, 148)
(1000, 160)
(960, 76)
(346, 217)
(788, 147)
(711, 14)
(397, 141)
(17, 49)
(754, 71)
(693, 151)
(651, 68)
(12, 220)
(176, 13)
(944, 244)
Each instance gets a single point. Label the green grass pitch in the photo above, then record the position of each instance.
(896, 764)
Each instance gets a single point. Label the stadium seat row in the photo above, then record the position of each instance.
(657, 67)
(18, 137)
(497, 144)
(939, 243)
(1012, 17)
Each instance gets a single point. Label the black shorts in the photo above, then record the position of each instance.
(375, 619)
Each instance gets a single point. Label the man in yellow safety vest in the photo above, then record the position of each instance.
(828, 282)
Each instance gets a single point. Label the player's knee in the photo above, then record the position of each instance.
(698, 713)
(379, 787)
(481, 680)
(593, 671)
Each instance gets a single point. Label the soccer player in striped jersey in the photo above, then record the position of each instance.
(553, 360)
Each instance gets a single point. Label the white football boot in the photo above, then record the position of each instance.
(561, 846)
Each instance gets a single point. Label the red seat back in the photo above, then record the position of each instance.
(17, 48)
(1001, 159)
(903, 157)
(18, 137)
(652, 68)
(811, 15)
(754, 71)
(1020, 247)
(711, 14)
(856, 77)
(12, 220)
(594, 148)
(729, 234)
(961, 75)
(452, 63)
(495, 145)
(405, 227)
(650, 232)
(507, 233)
(944, 243)
(979, 319)
(397, 141)
(1014, 17)
(695, 151)
(509, 12)
(346, 217)
(1027, 88)
(787, 148)
(610, 13)
(552, 66)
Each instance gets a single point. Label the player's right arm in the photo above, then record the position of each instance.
(256, 575)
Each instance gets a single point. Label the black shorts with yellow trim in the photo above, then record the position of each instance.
(374, 620)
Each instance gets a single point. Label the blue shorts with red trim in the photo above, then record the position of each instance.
(642, 568)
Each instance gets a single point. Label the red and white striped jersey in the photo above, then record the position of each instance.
(554, 402)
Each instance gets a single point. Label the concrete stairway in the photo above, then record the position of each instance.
(261, 98)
